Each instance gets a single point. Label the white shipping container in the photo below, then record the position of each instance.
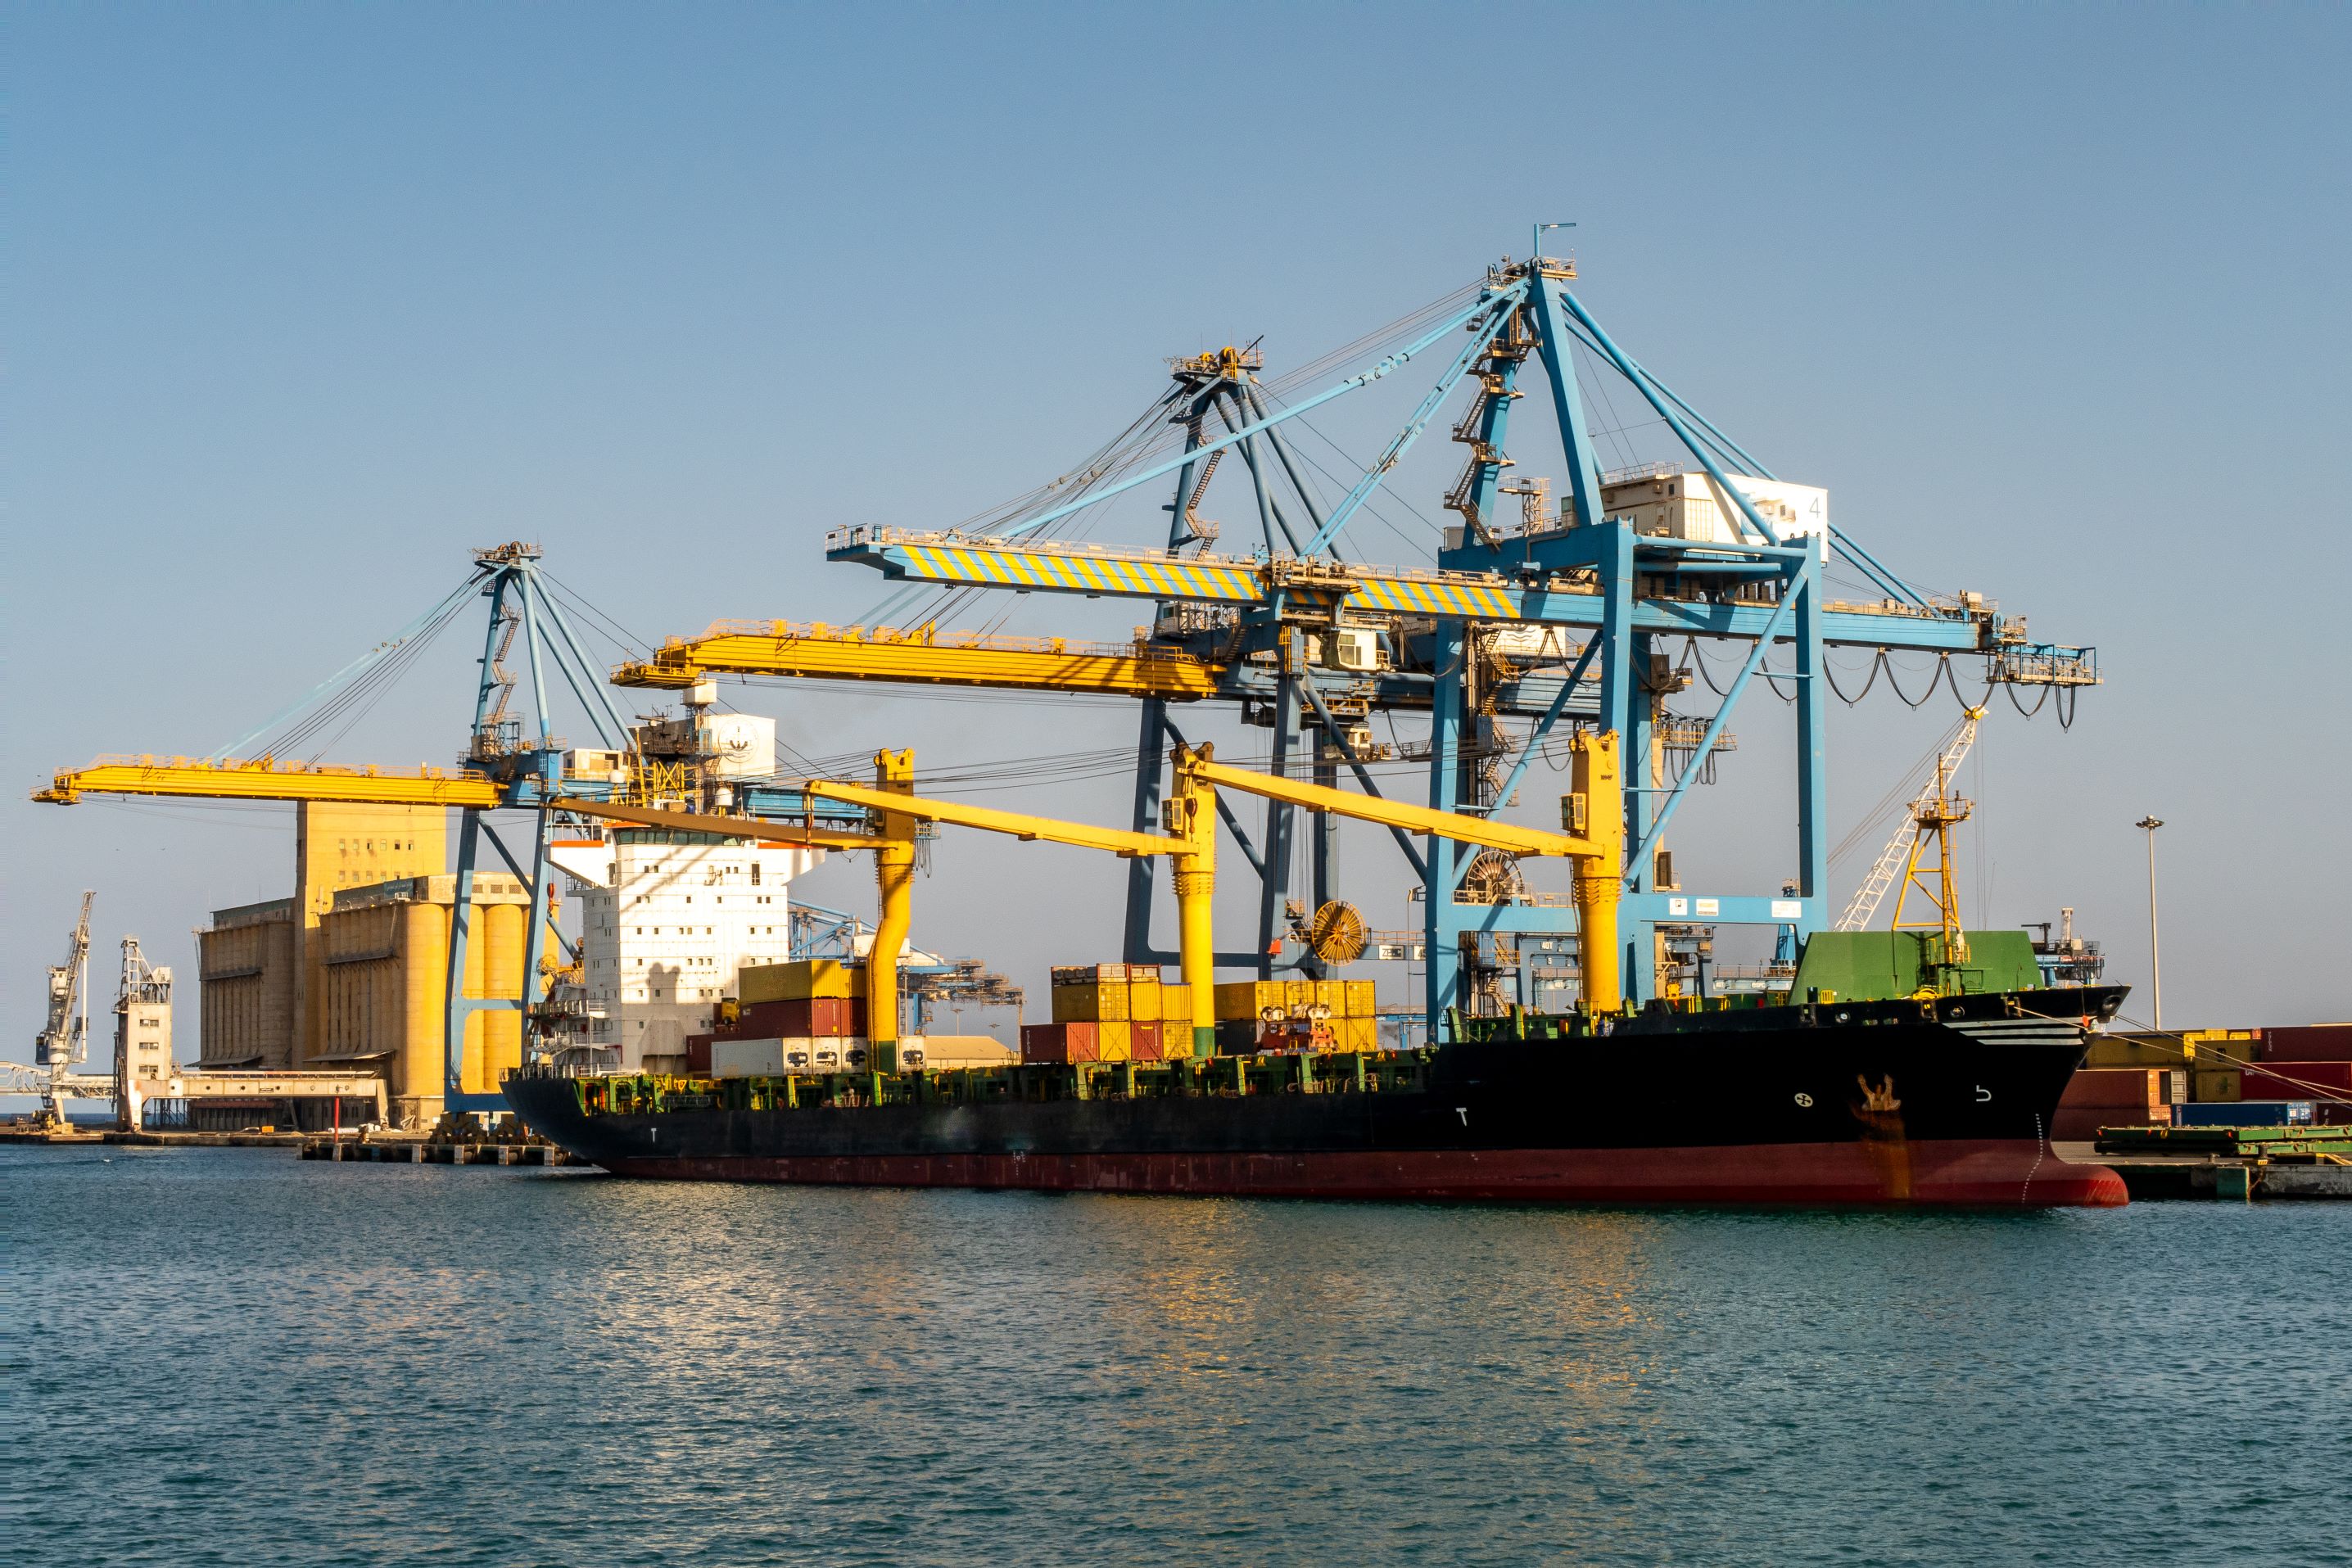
(763, 1058)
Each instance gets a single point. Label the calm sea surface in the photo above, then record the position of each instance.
(230, 1357)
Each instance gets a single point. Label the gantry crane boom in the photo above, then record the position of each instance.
(267, 779)
(922, 656)
(1147, 670)
(1557, 597)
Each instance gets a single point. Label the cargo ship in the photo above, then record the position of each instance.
(1927, 1099)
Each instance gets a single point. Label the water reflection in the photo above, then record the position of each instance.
(365, 1363)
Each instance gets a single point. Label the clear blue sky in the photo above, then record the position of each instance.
(304, 301)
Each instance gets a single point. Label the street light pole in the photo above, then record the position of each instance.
(2155, 958)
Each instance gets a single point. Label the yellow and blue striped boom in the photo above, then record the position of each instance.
(1095, 571)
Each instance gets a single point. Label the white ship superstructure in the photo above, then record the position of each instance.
(668, 918)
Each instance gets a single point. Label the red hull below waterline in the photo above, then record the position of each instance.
(1949, 1173)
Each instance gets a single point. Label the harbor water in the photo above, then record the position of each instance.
(233, 1357)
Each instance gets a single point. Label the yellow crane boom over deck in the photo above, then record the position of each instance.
(1594, 813)
(1594, 810)
(762, 829)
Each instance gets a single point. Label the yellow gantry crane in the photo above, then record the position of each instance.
(1593, 814)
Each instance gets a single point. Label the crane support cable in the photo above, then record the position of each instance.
(439, 612)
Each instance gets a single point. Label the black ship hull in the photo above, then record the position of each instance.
(1870, 1104)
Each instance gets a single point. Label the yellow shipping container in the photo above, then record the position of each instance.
(1176, 1004)
(801, 980)
(1247, 998)
(2136, 1050)
(1102, 1002)
(1143, 998)
(2214, 1046)
(1362, 999)
(1331, 994)
(1116, 1041)
(1356, 1034)
(2217, 1086)
(1298, 993)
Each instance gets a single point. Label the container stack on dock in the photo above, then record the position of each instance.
(2210, 1077)
(2100, 1097)
(2312, 1063)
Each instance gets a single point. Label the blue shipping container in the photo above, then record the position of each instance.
(2244, 1113)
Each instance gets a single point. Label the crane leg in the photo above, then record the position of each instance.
(894, 874)
(1599, 777)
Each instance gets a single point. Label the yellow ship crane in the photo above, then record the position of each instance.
(1592, 815)
(1189, 817)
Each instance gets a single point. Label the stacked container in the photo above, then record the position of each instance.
(805, 1016)
(2118, 1097)
(2304, 1063)
(1253, 1015)
(1112, 1012)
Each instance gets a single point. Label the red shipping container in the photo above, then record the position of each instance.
(2299, 1081)
(2080, 1124)
(2136, 1088)
(1060, 1043)
(697, 1052)
(1146, 1039)
(805, 1017)
(2308, 1043)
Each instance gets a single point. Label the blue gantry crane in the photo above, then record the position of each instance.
(1708, 547)
(513, 760)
